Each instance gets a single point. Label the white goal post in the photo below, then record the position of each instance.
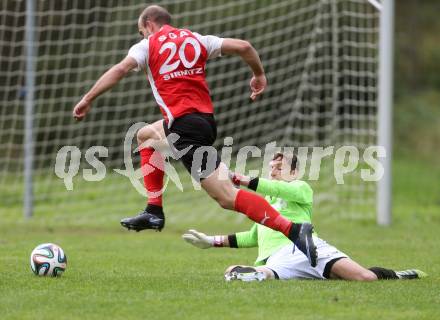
(328, 63)
(385, 113)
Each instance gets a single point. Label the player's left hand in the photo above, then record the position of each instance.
(81, 109)
(238, 179)
(258, 85)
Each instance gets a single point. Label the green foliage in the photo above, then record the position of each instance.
(417, 55)
(417, 50)
(417, 125)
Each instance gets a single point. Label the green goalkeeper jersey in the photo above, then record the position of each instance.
(293, 200)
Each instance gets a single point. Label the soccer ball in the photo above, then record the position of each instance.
(48, 259)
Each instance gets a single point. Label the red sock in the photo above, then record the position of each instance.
(153, 164)
(260, 211)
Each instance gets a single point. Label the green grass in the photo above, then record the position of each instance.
(114, 274)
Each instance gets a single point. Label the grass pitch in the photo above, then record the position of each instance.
(115, 274)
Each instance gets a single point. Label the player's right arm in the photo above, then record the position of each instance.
(108, 80)
(248, 53)
(246, 239)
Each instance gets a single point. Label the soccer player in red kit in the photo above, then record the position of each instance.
(174, 61)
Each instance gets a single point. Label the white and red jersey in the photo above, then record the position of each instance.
(174, 60)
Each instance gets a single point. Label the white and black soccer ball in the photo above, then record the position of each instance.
(48, 259)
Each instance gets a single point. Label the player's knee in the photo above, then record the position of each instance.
(145, 134)
(141, 134)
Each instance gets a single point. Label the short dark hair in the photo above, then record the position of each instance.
(292, 158)
(156, 14)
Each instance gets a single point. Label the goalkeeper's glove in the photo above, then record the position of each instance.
(201, 240)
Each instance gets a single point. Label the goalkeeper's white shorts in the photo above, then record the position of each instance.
(288, 265)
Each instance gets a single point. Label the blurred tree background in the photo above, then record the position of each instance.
(417, 79)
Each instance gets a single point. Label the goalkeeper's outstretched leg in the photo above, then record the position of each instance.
(274, 262)
(343, 269)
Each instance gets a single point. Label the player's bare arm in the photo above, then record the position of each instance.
(248, 53)
(108, 80)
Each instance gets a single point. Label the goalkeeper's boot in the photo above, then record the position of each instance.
(151, 218)
(411, 274)
(245, 274)
(301, 235)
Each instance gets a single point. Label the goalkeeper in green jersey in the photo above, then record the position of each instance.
(293, 199)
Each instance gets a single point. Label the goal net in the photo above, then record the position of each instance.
(321, 59)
